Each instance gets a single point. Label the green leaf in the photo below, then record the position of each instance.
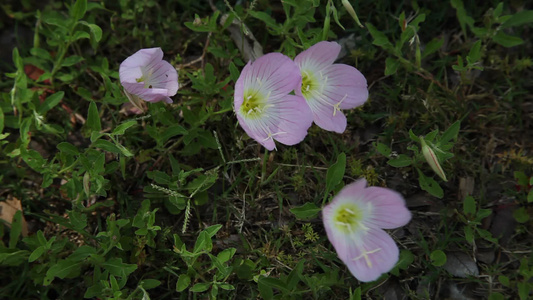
(71, 60)
(62, 269)
(96, 32)
(36, 253)
(383, 149)
(116, 267)
(450, 133)
(521, 215)
(78, 220)
(93, 118)
(200, 287)
(266, 18)
(266, 291)
(469, 206)
(335, 173)
(522, 17)
(469, 234)
(2, 117)
(380, 39)
(234, 72)
(506, 40)
(16, 229)
(50, 102)
(475, 53)
(183, 282)
(107, 146)
(150, 283)
(433, 46)
(77, 11)
(401, 161)
(391, 66)
(429, 185)
(307, 211)
(68, 148)
(438, 258)
(120, 129)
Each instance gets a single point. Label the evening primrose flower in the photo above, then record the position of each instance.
(264, 108)
(329, 87)
(146, 76)
(354, 220)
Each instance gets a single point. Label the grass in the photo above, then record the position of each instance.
(183, 204)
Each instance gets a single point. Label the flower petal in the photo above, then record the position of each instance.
(368, 259)
(318, 57)
(294, 117)
(345, 85)
(258, 130)
(150, 95)
(164, 76)
(388, 208)
(130, 68)
(273, 74)
(324, 114)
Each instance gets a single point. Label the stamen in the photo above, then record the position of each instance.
(365, 256)
(336, 107)
(350, 211)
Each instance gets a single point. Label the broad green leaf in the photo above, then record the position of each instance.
(307, 211)
(450, 133)
(469, 206)
(121, 129)
(335, 173)
(433, 46)
(107, 146)
(93, 118)
(200, 287)
(77, 11)
(183, 282)
(380, 39)
(50, 102)
(150, 283)
(391, 66)
(401, 161)
(71, 60)
(68, 148)
(62, 269)
(522, 17)
(383, 149)
(438, 258)
(507, 40)
(16, 229)
(36, 253)
(429, 185)
(475, 53)
(116, 267)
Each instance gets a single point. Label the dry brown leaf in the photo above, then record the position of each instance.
(8, 209)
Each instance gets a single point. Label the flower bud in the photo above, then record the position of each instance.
(351, 11)
(432, 159)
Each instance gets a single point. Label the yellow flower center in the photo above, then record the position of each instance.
(253, 104)
(309, 84)
(348, 218)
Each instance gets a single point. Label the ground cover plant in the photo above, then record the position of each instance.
(140, 158)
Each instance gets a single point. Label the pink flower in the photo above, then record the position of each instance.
(146, 76)
(329, 87)
(354, 220)
(263, 105)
